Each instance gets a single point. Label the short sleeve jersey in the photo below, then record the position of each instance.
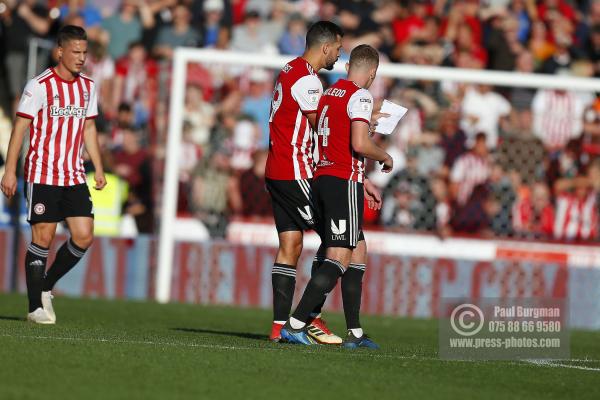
(341, 104)
(297, 93)
(58, 110)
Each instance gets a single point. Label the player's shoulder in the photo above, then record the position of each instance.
(38, 81)
(86, 78)
(298, 69)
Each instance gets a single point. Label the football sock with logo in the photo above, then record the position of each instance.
(67, 257)
(283, 278)
(351, 294)
(322, 282)
(317, 262)
(35, 266)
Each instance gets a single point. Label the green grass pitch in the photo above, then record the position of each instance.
(129, 350)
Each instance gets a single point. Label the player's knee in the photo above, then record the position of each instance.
(83, 239)
(291, 249)
(43, 239)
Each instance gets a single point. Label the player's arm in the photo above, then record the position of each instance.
(362, 144)
(307, 92)
(90, 138)
(312, 119)
(9, 180)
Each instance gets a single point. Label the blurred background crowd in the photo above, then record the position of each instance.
(469, 159)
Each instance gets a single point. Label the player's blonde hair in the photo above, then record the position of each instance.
(364, 56)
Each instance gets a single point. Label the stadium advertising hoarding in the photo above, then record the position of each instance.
(403, 283)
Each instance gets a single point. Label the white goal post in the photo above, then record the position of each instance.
(183, 56)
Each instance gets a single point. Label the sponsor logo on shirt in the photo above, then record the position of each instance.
(67, 111)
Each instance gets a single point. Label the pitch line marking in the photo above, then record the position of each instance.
(553, 364)
(540, 363)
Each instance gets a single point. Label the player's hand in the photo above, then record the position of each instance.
(100, 180)
(372, 195)
(9, 184)
(388, 164)
(375, 120)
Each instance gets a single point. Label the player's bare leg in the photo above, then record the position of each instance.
(42, 234)
(69, 254)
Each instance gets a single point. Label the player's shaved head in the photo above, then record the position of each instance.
(364, 56)
(70, 32)
(322, 32)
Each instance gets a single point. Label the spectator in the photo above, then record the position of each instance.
(251, 36)
(483, 111)
(576, 209)
(591, 129)
(521, 98)
(92, 18)
(199, 114)
(101, 68)
(125, 27)
(136, 83)
(133, 164)
(211, 182)
(251, 198)
(257, 104)
(558, 117)
(533, 214)
(408, 194)
(452, 139)
(293, 40)
(468, 188)
(214, 30)
(20, 22)
(178, 34)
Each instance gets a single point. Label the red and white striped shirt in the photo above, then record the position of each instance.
(296, 94)
(58, 110)
(558, 116)
(343, 103)
(576, 219)
(468, 171)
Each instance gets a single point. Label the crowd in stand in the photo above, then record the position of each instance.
(470, 159)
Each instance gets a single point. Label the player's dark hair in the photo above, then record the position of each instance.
(70, 32)
(364, 55)
(322, 32)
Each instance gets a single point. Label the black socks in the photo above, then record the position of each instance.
(321, 283)
(351, 294)
(67, 256)
(283, 278)
(35, 267)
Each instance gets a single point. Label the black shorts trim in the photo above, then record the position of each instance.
(49, 203)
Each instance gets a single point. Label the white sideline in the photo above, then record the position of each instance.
(553, 364)
(540, 363)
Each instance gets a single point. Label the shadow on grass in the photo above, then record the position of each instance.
(244, 335)
(8, 318)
